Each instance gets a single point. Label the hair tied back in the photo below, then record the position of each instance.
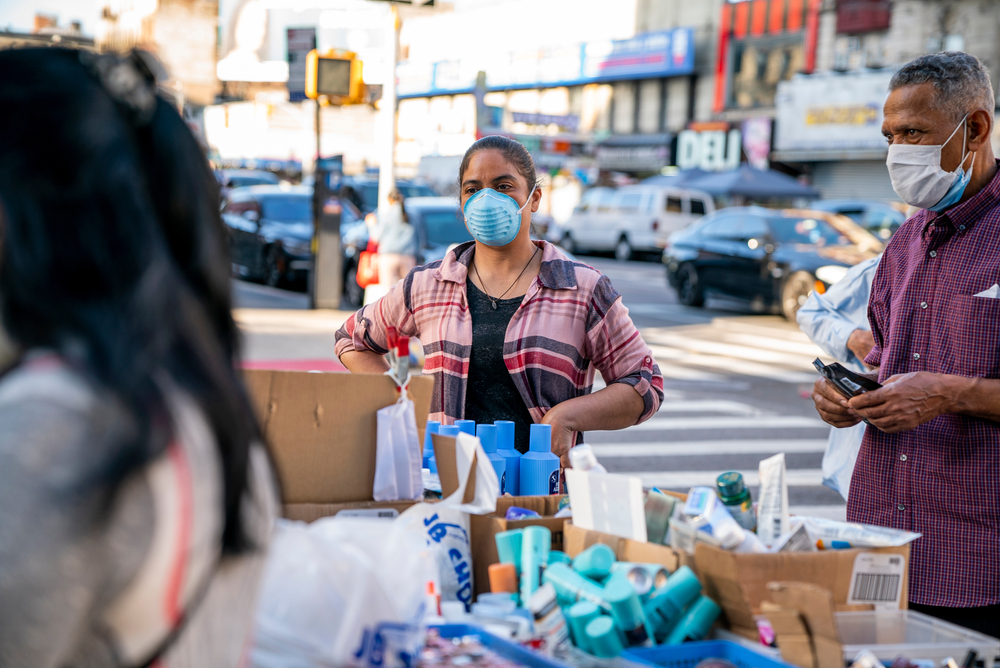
(130, 80)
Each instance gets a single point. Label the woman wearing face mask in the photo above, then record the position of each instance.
(513, 330)
(136, 491)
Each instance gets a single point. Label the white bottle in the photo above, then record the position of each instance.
(582, 458)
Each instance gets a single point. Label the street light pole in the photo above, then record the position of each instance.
(387, 162)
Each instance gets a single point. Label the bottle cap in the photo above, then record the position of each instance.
(505, 434)
(696, 622)
(595, 562)
(540, 438)
(467, 426)
(487, 434)
(403, 346)
(449, 430)
(558, 557)
(503, 578)
(635, 574)
(602, 636)
(509, 547)
(730, 484)
(626, 609)
(578, 616)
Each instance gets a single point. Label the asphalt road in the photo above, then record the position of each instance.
(736, 383)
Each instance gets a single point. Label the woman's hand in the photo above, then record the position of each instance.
(563, 436)
(617, 406)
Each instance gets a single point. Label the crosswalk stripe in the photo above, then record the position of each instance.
(707, 406)
(696, 448)
(732, 350)
(731, 365)
(715, 423)
(688, 479)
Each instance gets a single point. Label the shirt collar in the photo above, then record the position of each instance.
(556, 272)
(966, 214)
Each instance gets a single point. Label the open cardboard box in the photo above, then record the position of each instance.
(484, 528)
(321, 428)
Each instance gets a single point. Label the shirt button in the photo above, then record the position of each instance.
(923, 304)
(901, 507)
(933, 253)
(961, 227)
(916, 356)
(902, 458)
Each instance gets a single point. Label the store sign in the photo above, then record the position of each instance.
(569, 122)
(300, 42)
(644, 158)
(650, 55)
(711, 150)
(848, 118)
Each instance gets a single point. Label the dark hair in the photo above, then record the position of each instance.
(112, 252)
(396, 195)
(961, 81)
(512, 150)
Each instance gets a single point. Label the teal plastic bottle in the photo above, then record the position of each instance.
(431, 429)
(539, 475)
(505, 448)
(487, 434)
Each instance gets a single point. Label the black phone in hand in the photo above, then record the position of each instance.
(847, 382)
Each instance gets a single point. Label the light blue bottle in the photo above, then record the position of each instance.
(487, 434)
(467, 426)
(539, 475)
(443, 430)
(429, 430)
(505, 448)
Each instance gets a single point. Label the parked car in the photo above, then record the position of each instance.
(271, 231)
(367, 189)
(230, 179)
(777, 256)
(439, 226)
(632, 219)
(880, 218)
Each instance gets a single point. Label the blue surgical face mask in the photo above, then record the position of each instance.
(492, 217)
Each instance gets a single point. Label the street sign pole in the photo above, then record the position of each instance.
(387, 162)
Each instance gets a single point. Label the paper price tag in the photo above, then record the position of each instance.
(877, 580)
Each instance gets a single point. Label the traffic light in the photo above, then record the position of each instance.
(335, 75)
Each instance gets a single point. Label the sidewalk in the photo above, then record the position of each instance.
(291, 339)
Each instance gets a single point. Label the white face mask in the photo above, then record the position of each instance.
(917, 176)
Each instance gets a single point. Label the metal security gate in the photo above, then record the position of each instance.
(853, 179)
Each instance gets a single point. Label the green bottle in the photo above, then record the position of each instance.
(736, 498)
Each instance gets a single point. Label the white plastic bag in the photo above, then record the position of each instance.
(444, 526)
(343, 592)
(398, 454)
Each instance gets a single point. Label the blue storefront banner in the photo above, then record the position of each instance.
(650, 55)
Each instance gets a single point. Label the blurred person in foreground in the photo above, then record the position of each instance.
(932, 461)
(397, 243)
(137, 495)
(512, 328)
(837, 322)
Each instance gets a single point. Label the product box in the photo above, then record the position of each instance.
(857, 579)
(321, 428)
(484, 528)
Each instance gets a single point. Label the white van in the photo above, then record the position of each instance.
(632, 219)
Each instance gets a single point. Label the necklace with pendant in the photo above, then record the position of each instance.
(494, 300)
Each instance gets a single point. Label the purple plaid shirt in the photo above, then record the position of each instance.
(941, 479)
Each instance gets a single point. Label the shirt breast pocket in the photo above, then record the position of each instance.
(971, 345)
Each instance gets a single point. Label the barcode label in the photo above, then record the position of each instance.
(376, 513)
(877, 580)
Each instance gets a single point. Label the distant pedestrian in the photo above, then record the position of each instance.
(397, 243)
(837, 321)
(932, 461)
(136, 492)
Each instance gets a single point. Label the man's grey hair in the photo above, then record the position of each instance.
(962, 81)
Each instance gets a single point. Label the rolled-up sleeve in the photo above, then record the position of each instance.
(617, 350)
(366, 329)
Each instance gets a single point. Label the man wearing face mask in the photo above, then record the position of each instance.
(932, 461)
(512, 328)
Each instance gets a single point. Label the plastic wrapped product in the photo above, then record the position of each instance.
(772, 509)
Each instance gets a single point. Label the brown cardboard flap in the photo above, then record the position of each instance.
(792, 634)
(310, 512)
(322, 429)
(815, 606)
(447, 465)
(577, 540)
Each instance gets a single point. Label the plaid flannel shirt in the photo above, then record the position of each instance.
(571, 323)
(941, 479)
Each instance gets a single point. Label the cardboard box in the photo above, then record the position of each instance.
(576, 540)
(739, 582)
(802, 616)
(321, 428)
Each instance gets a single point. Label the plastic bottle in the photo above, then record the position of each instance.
(535, 545)
(539, 475)
(444, 430)
(695, 623)
(603, 638)
(595, 562)
(572, 587)
(626, 610)
(559, 557)
(736, 497)
(487, 434)
(666, 605)
(505, 448)
(509, 546)
(578, 616)
(431, 429)
(582, 458)
(467, 426)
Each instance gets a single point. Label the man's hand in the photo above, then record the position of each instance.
(906, 401)
(861, 343)
(562, 436)
(832, 406)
